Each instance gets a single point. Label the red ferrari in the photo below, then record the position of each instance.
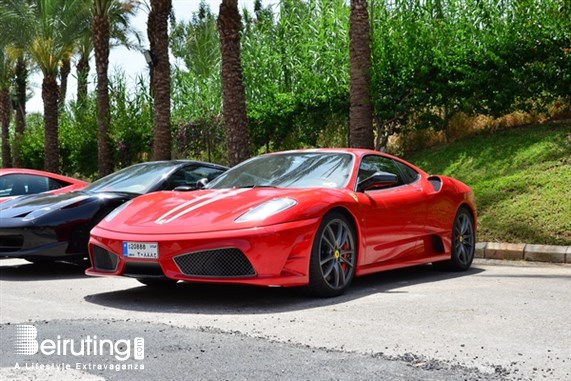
(19, 181)
(315, 218)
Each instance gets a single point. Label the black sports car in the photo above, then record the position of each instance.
(44, 227)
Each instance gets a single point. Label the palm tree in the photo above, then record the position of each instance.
(46, 30)
(83, 49)
(157, 29)
(6, 74)
(119, 15)
(64, 70)
(233, 95)
(361, 112)
(110, 19)
(21, 85)
(100, 38)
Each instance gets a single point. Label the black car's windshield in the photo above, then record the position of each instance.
(289, 170)
(138, 178)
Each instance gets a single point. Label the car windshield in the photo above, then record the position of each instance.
(138, 178)
(289, 170)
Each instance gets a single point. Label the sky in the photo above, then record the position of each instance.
(131, 62)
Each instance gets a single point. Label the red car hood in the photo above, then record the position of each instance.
(215, 209)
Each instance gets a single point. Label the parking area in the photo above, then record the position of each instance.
(500, 320)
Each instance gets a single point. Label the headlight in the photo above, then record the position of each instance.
(117, 210)
(267, 209)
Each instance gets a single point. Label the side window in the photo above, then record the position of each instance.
(188, 176)
(196, 173)
(55, 184)
(5, 186)
(409, 175)
(17, 185)
(372, 163)
(37, 184)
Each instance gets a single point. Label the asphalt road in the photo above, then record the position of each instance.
(499, 321)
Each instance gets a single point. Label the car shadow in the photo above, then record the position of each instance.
(16, 270)
(231, 299)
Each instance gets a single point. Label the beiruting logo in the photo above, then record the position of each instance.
(27, 344)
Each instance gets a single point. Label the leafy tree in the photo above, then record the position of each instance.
(197, 90)
(297, 71)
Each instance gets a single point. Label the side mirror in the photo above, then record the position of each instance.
(184, 188)
(378, 180)
(201, 183)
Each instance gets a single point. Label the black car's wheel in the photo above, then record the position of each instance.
(333, 256)
(463, 242)
(158, 282)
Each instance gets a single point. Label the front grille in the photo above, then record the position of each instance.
(227, 263)
(137, 269)
(9, 243)
(104, 260)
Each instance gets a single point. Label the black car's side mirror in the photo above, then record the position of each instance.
(186, 188)
(378, 180)
(201, 183)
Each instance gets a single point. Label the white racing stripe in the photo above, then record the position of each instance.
(193, 205)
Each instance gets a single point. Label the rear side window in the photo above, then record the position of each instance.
(409, 175)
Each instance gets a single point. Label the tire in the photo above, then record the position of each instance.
(463, 245)
(158, 282)
(333, 256)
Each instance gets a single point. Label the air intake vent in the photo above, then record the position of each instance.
(220, 263)
(104, 260)
(10, 243)
(143, 269)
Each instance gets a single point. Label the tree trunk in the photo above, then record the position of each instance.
(233, 95)
(20, 118)
(64, 71)
(5, 112)
(161, 81)
(361, 112)
(100, 30)
(82, 76)
(50, 97)
(151, 37)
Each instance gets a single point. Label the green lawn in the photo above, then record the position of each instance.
(521, 178)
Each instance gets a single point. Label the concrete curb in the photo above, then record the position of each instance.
(523, 252)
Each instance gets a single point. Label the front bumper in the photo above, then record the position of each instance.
(31, 242)
(276, 255)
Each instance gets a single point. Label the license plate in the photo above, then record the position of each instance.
(141, 250)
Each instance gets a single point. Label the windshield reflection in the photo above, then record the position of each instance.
(289, 170)
(139, 178)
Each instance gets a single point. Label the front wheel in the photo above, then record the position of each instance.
(333, 256)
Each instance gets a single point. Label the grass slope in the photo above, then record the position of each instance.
(521, 178)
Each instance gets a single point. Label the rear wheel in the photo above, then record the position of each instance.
(463, 242)
(158, 282)
(333, 256)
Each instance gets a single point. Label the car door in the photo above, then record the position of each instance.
(393, 217)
